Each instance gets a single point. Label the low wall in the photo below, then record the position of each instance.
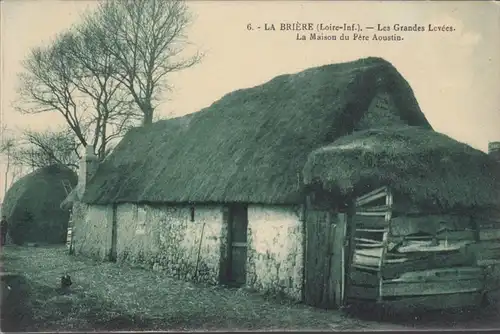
(164, 238)
(275, 251)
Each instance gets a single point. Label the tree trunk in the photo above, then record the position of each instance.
(147, 119)
(147, 111)
(7, 172)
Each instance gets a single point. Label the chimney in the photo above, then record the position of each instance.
(88, 166)
(494, 150)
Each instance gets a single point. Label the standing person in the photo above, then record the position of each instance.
(4, 228)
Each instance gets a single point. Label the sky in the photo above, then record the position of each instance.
(455, 75)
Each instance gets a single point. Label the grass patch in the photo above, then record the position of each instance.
(108, 296)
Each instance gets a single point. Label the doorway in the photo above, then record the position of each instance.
(237, 242)
(114, 227)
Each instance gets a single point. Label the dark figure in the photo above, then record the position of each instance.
(4, 229)
(66, 281)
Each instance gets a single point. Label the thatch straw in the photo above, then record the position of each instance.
(432, 169)
(34, 201)
(73, 196)
(251, 145)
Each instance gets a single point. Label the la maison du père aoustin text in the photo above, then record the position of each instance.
(322, 31)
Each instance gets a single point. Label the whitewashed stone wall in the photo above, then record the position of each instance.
(165, 238)
(92, 230)
(275, 250)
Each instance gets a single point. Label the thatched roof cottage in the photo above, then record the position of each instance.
(220, 195)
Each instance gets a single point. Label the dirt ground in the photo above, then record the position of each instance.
(108, 296)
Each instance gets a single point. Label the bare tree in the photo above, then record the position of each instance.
(72, 76)
(146, 39)
(45, 86)
(93, 75)
(44, 148)
(6, 149)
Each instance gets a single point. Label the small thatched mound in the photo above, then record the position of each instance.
(430, 168)
(251, 145)
(32, 206)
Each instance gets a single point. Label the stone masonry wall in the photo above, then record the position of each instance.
(164, 238)
(92, 230)
(275, 251)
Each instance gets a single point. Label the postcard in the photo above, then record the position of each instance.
(249, 165)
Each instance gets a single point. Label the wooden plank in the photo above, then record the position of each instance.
(385, 240)
(481, 246)
(369, 241)
(371, 196)
(376, 191)
(437, 275)
(484, 220)
(376, 208)
(488, 262)
(370, 222)
(370, 213)
(338, 278)
(492, 277)
(430, 224)
(362, 292)
(424, 247)
(365, 260)
(489, 234)
(349, 249)
(329, 294)
(360, 245)
(401, 288)
(361, 277)
(432, 261)
(392, 256)
(485, 251)
(371, 230)
(435, 302)
(371, 253)
(488, 254)
(456, 235)
(487, 225)
(448, 235)
(363, 267)
(413, 237)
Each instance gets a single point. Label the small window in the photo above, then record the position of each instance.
(141, 221)
(192, 213)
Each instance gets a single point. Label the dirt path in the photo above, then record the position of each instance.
(106, 296)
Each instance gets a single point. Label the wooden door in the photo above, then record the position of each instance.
(341, 257)
(325, 258)
(114, 227)
(238, 224)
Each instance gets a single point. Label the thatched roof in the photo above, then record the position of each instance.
(251, 145)
(34, 200)
(430, 168)
(73, 196)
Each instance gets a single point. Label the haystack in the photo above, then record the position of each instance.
(433, 170)
(32, 205)
(251, 145)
